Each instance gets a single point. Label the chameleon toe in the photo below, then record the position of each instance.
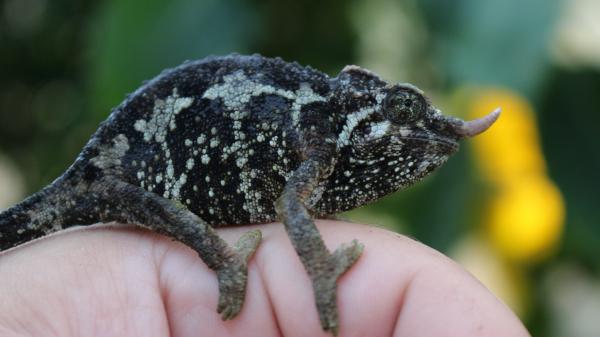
(248, 243)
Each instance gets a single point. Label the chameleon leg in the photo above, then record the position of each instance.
(323, 267)
(135, 205)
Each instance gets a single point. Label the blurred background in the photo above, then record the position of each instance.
(518, 206)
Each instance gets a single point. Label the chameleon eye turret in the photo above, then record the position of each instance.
(404, 104)
(239, 140)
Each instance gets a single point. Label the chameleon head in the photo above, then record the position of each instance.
(413, 135)
(411, 115)
(413, 120)
(395, 138)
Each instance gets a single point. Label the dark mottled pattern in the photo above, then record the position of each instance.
(240, 140)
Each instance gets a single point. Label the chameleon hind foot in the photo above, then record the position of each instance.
(234, 275)
(325, 284)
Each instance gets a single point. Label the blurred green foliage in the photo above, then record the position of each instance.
(65, 63)
(502, 43)
(569, 121)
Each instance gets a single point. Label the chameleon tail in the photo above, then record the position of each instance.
(47, 211)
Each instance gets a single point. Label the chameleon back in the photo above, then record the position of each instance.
(207, 134)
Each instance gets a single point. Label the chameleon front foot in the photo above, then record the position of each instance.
(233, 277)
(325, 284)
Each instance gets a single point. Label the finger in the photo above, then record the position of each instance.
(95, 282)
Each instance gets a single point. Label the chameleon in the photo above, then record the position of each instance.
(238, 140)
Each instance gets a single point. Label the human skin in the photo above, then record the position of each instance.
(126, 281)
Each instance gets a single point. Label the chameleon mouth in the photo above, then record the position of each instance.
(451, 144)
(448, 143)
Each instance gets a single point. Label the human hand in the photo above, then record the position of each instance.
(125, 281)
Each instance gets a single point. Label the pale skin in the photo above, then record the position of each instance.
(125, 281)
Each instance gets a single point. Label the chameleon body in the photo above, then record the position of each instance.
(245, 140)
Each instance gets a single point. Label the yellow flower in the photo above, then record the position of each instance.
(526, 214)
(525, 218)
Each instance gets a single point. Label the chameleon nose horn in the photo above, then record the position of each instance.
(477, 126)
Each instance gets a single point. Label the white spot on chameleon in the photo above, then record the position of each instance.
(304, 95)
(352, 120)
(404, 132)
(177, 185)
(237, 90)
(110, 157)
(241, 161)
(251, 199)
(189, 164)
(155, 130)
(163, 114)
(379, 129)
(170, 170)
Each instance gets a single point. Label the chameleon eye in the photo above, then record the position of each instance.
(402, 106)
